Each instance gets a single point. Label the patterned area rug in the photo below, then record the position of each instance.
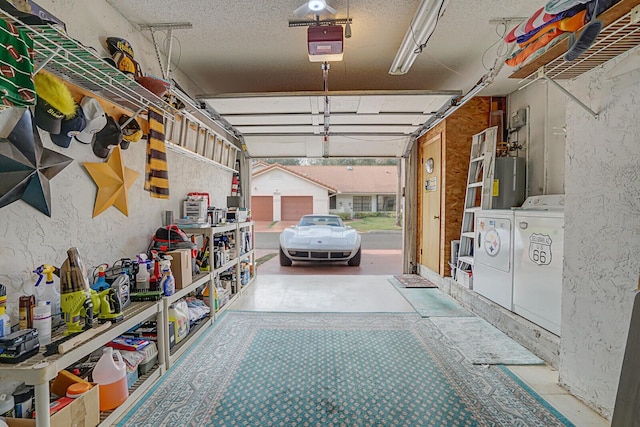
(482, 343)
(302, 369)
(411, 281)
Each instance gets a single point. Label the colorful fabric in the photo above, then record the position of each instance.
(552, 24)
(521, 55)
(557, 6)
(16, 66)
(570, 24)
(537, 20)
(156, 169)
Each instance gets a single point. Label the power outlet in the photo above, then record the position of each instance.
(635, 14)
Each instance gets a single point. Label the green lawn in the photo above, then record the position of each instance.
(374, 224)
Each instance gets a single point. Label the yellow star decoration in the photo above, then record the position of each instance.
(113, 181)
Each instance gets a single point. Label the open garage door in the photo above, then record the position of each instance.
(293, 207)
(262, 208)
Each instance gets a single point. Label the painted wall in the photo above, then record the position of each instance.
(546, 147)
(277, 182)
(31, 238)
(602, 230)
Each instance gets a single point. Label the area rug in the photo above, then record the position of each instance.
(433, 303)
(411, 281)
(482, 343)
(329, 370)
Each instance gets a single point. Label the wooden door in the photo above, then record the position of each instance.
(431, 190)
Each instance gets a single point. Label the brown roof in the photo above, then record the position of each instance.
(353, 179)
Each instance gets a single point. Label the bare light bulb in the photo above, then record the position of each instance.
(317, 5)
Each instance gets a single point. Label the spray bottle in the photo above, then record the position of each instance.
(142, 278)
(168, 282)
(48, 292)
(5, 320)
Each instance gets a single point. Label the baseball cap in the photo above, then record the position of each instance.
(69, 128)
(46, 117)
(96, 119)
(107, 138)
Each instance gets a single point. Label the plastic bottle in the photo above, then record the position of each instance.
(5, 320)
(23, 401)
(168, 282)
(7, 406)
(49, 292)
(142, 278)
(111, 377)
(42, 322)
(154, 280)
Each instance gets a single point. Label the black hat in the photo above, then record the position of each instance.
(108, 137)
(46, 117)
(69, 129)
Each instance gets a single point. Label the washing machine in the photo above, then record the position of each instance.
(493, 256)
(538, 260)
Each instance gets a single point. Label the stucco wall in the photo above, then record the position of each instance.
(602, 233)
(31, 238)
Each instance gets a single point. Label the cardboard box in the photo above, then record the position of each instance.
(82, 412)
(181, 267)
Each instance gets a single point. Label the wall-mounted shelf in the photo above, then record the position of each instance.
(71, 61)
(618, 35)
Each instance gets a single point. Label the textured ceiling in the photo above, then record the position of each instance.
(247, 47)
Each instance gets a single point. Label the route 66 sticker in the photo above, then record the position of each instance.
(540, 249)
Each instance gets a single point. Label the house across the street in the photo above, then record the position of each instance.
(285, 193)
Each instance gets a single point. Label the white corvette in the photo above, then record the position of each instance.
(320, 238)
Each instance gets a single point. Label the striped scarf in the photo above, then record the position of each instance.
(156, 170)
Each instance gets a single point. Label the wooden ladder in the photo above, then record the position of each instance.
(478, 196)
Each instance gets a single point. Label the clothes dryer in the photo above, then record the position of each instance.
(538, 260)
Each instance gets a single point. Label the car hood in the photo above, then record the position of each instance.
(328, 235)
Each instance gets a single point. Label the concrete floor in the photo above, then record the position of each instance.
(318, 291)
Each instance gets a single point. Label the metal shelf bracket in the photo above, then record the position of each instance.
(542, 75)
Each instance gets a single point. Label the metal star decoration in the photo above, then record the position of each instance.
(113, 181)
(26, 167)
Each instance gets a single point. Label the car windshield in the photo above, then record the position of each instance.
(333, 221)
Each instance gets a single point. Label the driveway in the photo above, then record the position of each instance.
(381, 254)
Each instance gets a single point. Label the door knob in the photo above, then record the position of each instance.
(436, 217)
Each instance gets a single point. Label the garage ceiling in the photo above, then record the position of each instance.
(246, 49)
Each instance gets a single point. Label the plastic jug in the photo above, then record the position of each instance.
(111, 377)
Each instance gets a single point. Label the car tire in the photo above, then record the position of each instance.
(355, 261)
(284, 260)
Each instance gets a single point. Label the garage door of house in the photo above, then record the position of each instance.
(262, 208)
(293, 207)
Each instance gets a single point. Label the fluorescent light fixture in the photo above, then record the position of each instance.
(422, 26)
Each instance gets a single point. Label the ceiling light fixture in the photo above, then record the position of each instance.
(347, 28)
(316, 5)
(422, 26)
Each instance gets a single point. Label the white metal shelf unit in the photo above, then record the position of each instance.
(39, 369)
(172, 354)
(70, 60)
